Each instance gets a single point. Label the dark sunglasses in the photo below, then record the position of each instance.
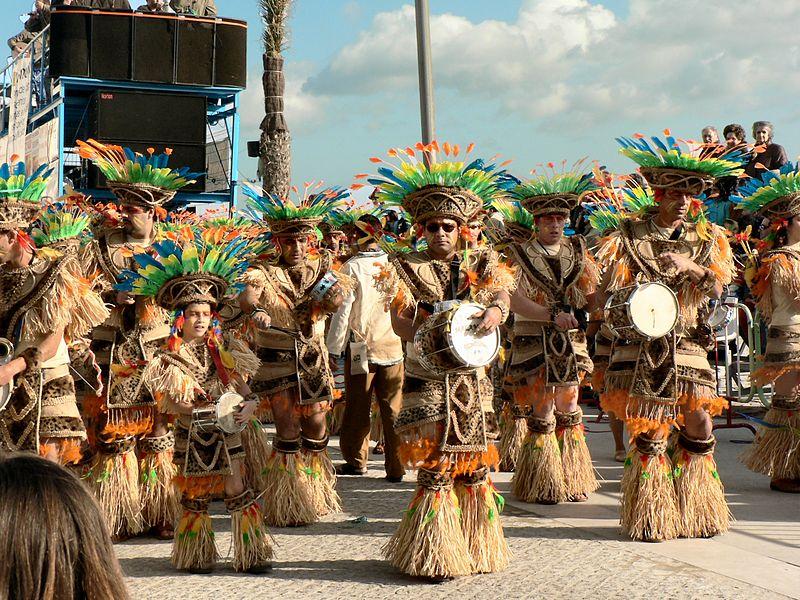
(435, 227)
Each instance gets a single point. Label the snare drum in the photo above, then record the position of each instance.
(721, 317)
(447, 341)
(323, 286)
(220, 416)
(642, 312)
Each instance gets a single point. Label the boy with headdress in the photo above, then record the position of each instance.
(188, 379)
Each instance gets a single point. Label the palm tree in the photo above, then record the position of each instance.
(275, 153)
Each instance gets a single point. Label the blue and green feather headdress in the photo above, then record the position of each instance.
(553, 191)
(773, 195)
(681, 164)
(453, 188)
(285, 216)
(20, 194)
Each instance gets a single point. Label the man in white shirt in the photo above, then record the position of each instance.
(374, 361)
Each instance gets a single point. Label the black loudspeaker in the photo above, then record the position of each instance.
(230, 58)
(153, 50)
(110, 46)
(165, 48)
(183, 155)
(195, 52)
(150, 118)
(69, 50)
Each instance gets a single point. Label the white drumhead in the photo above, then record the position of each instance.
(653, 309)
(226, 410)
(472, 349)
(721, 317)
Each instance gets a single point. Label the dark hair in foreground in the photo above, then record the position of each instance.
(54, 544)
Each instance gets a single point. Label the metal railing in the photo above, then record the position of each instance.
(40, 93)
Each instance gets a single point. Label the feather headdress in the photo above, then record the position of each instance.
(62, 225)
(772, 195)
(187, 270)
(518, 221)
(134, 178)
(454, 188)
(554, 191)
(20, 193)
(681, 164)
(285, 216)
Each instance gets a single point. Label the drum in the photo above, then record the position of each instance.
(323, 286)
(642, 312)
(6, 355)
(220, 416)
(721, 317)
(448, 341)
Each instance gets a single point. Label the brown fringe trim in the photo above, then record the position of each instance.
(252, 543)
(579, 474)
(539, 476)
(512, 438)
(430, 541)
(114, 479)
(159, 496)
(335, 417)
(649, 509)
(481, 505)
(776, 452)
(193, 545)
(321, 478)
(257, 453)
(288, 500)
(701, 496)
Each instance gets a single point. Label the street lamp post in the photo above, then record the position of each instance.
(426, 105)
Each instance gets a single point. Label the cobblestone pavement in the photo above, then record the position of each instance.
(340, 558)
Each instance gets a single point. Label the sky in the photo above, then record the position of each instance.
(532, 80)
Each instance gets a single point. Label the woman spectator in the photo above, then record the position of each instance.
(55, 545)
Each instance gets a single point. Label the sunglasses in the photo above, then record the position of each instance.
(435, 227)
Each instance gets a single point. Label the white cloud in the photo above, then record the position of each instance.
(572, 63)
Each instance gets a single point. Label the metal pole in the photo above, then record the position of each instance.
(426, 105)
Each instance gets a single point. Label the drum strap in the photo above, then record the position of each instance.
(222, 371)
(455, 272)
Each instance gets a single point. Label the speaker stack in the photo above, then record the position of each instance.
(139, 120)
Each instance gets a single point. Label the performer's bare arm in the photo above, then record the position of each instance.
(248, 303)
(695, 272)
(403, 323)
(536, 312)
(48, 348)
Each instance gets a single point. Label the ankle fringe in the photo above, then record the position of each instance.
(649, 509)
(512, 438)
(539, 476)
(481, 506)
(287, 495)
(157, 491)
(579, 474)
(429, 541)
(194, 545)
(257, 454)
(252, 543)
(776, 451)
(321, 477)
(114, 479)
(701, 496)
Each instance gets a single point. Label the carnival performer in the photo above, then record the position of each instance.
(513, 225)
(361, 330)
(776, 449)
(288, 301)
(557, 277)
(655, 384)
(136, 495)
(189, 379)
(452, 525)
(44, 303)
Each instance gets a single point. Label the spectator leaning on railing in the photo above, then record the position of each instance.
(102, 4)
(155, 6)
